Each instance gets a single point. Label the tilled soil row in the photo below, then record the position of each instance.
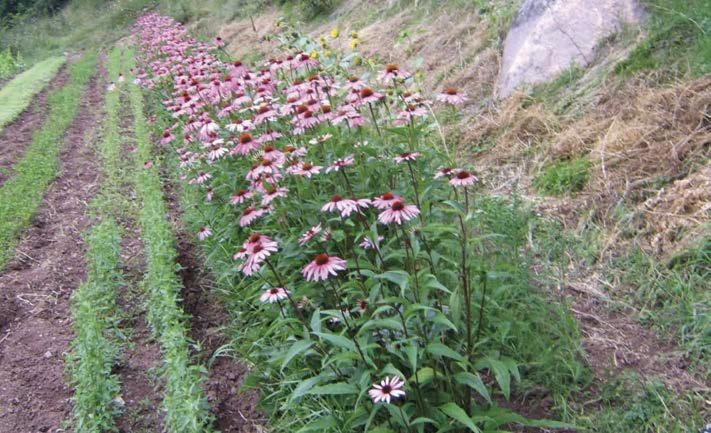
(15, 137)
(35, 330)
(235, 411)
(141, 388)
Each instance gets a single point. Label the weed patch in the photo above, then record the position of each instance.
(564, 177)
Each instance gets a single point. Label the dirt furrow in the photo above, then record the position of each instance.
(141, 359)
(235, 411)
(35, 324)
(15, 137)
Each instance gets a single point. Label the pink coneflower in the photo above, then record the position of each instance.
(245, 145)
(451, 96)
(167, 136)
(407, 156)
(463, 178)
(410, 112)
(256, 250)
(322, 266)
(201, 178)
(309, 234)
(369, 96)
(273, 193)
(446, 172)
(392, 73)
(216, 152)
(384, 201)
(398, 213)
(389, 388)
(326, 235)
(343, 162)
(305, 169)
(204, 233)
(274, 294)
(249, 216)
(240, 196)
(368, 244)
(148, 164)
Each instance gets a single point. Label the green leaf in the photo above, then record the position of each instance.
(400, 278)
(340, 388)
(297, 348)
(423, 376)
(501, 374)
(473, 381)
(439, 349)
(316, 321)
(337, 340)
(455, 412)
(321, 424)
(305, 385)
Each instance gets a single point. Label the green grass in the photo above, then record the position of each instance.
(18, 93)
(21, 195)
(632, 404)
(96, 347)
(674, 298)
(678, 39)
(186, 408)
(563, 177)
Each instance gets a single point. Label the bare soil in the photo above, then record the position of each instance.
(35, 330)
(141, 387)
(235, 410)
(15, 137)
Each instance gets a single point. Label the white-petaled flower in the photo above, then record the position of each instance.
(388, 389)
(204, 233)
(274, 294)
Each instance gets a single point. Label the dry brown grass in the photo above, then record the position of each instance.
(638, 139)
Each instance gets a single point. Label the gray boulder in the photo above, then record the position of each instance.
(549, 36)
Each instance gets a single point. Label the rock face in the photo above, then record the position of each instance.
(549, 36)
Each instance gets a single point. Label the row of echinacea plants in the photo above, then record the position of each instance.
(361, 298)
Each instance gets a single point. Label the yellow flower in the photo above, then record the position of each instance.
(327, 53)
(354, 43)
(313, 54)
(335, 32)
(354, 35)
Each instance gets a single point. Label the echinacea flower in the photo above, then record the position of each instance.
(368, 244)
(385, 200)
(305, 169)
(274, 294)
(452, 96)
(446, 172)
(463, 178)
(342, 162)
(388, 389)
(249, 216)
(407, 156)
(392, 73)
(309, 234)
(323, 266)
(204, 233)
(398, 213)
